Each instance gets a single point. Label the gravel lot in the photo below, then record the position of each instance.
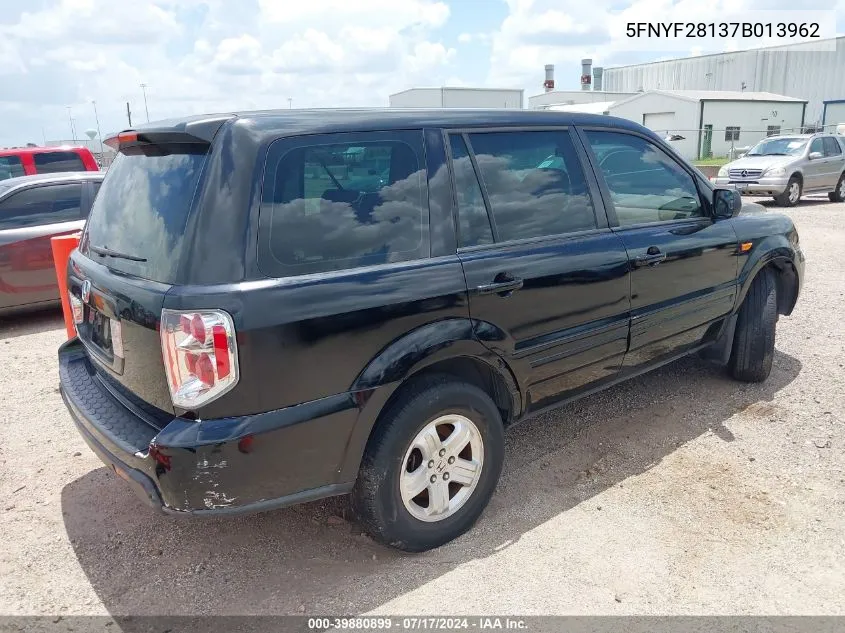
(681, 492)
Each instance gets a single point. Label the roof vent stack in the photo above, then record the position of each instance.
(586, 73)
(549, 83)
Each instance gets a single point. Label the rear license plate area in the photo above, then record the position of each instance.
(99, 329)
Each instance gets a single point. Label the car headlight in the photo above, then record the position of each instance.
(775, 171)
(723, 172)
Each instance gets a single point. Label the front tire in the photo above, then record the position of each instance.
(431, 465)
(838, 194)
(754, 340)
(792, 193)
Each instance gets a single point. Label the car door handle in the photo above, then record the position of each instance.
(652, 257)
(502, 288)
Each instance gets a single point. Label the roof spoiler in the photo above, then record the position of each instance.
(188, 136)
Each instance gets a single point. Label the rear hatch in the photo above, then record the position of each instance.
(130, 255)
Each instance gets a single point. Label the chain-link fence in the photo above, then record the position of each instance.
(729, 142)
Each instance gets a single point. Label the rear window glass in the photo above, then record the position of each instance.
(141, 210)
(53, 162)
(331, 202)
(10, 167)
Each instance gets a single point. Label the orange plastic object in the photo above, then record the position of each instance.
(63, 246)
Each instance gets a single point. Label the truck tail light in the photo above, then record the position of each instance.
(200, 355)
(76, 308)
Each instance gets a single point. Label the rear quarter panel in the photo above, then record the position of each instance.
(309, 337)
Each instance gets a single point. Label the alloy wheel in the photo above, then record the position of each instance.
(794, 192)
(441, 468)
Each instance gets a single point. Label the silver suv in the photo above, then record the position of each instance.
(786, 167)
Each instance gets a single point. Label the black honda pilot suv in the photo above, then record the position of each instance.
(275, 307)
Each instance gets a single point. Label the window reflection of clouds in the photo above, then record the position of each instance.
(474, 223)
(321, 234)
(142, 209)
(528, 201)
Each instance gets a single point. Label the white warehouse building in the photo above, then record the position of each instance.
(798, 70)
(550, 100)
(712, 122)
(446, 97)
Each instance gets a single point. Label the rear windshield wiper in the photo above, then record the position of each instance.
(100, 250)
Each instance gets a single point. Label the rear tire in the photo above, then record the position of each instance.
(838, 194)
(385, 496)
(754, 339)
(792, 193)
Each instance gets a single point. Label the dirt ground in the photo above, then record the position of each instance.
(681, 492)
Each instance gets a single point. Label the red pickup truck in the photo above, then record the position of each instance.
(25, 161)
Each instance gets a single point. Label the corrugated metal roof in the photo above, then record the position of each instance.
(594, 107)
(729, 95)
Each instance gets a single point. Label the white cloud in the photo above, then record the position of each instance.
(210, 55)
(97, 22)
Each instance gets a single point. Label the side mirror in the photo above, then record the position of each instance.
(726, 203)
(815, 155)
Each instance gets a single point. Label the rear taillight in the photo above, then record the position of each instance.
(200, 355)
(75, 308)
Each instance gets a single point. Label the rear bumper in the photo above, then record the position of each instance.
(213, 467)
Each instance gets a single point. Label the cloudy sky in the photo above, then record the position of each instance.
(216, 55)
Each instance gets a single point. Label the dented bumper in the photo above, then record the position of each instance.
(211, 467)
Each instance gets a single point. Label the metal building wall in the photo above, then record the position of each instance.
(752, 118)
(789, 70)
(481, 98)
(565, 97)
(418, 98)
(458, 98)
(685, 115)
(835, 113)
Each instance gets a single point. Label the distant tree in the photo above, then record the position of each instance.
(31, 145)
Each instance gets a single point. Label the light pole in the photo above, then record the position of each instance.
(72, 129)
(290, 103)
(97, 119)
(144, 90)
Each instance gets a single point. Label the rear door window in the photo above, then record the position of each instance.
(142, 210)
(472, 213)
(332, 202)
(39, 206)
(53, 162)
(10, 167)
(831, 147)
(534, 183)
